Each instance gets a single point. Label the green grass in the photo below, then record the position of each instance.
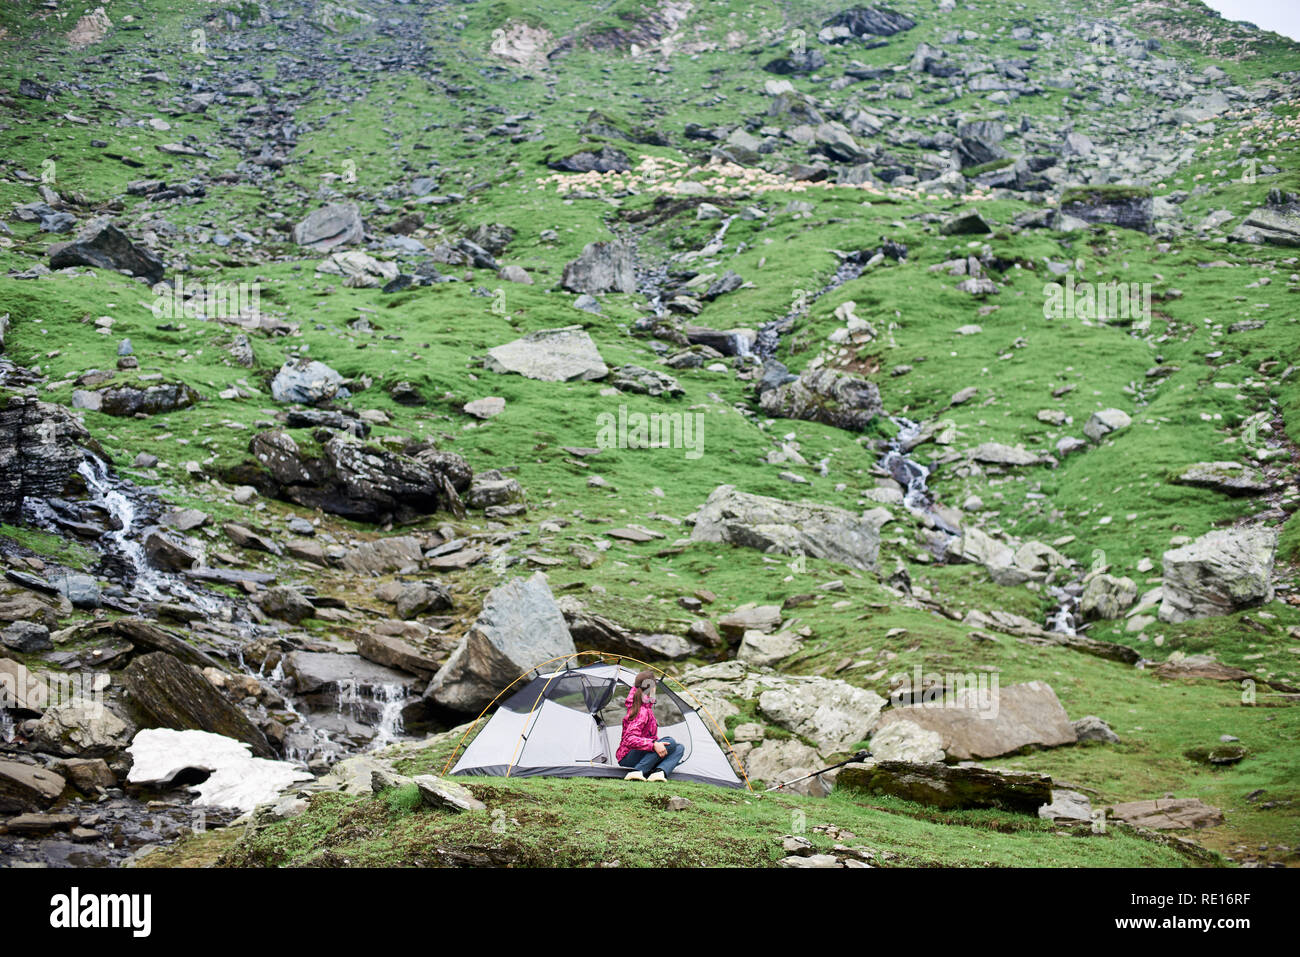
(582, 823)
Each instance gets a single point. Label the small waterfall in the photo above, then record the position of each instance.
(387, 699)
(1062, 620)
(912, 475)
(393, 698)
(148, 583)
(7, 728)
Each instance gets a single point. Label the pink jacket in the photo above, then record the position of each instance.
(639, 733)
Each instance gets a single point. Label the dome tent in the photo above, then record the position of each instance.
(568, 723)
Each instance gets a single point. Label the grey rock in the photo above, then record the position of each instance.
(602, 267)
(1221, 572)
(979, 723)
(775, 526)
(519, 628)
(103, 245)
(550, 355)
(828, 396)
(338, 224)
(307, 382)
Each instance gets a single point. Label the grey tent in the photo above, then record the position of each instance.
(568, 723)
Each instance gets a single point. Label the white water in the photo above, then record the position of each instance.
(150, 584)
(391, 699)
(6, 727)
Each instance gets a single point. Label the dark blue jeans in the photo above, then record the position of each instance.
(647, 761)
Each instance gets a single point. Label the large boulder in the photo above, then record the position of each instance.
(595, 632)
(978, 723)
(1219, 573)
(337, 224)
(127, 401)
(103, 245)
(520, 628)
(863, 22)
(944, 786)
(1107, 596)
(1232, 478)
(832, 714)
(1103, 423)
(907, 741)
(605, 160)
(1277, 224)
(828, 396)
(1130, 207)
(26, 787)
(172, 694)
(306, 381)
(550, 355)
(81, 728)
(602, 267)
(775, 526)
(350, 478)
(40, 448)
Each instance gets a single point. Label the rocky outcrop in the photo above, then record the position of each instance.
(1232, 478)
(39, 451)
(832, 714)
(349, 478)
(103, 245)
(939, 785)
(520, 628)
(1167, 814)
(828, 396)
(1128, 206)
(128, 400)
(550, 355)
(602, 267)
(863, 22)
(172, 694)
(775, 526)
(1221, 572)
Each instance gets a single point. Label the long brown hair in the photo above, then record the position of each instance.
(637, 682)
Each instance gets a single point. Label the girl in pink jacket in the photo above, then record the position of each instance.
(641, 748)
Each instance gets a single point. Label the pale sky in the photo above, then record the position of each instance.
(1280, 16)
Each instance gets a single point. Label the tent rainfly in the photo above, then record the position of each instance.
(568, 723)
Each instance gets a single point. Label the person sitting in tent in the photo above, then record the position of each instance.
(640, 749)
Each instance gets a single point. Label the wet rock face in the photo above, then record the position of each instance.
(39, 451)
(355, 480)
(103, 245)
